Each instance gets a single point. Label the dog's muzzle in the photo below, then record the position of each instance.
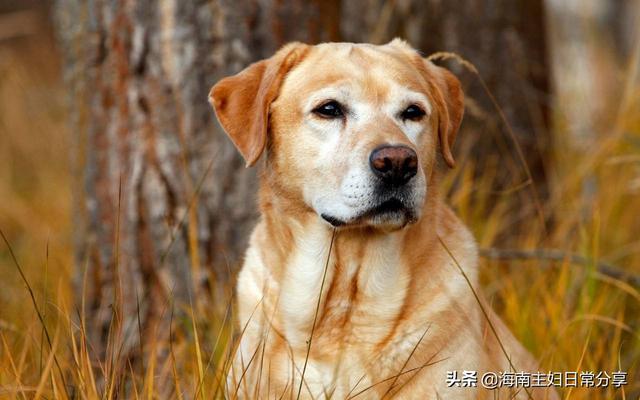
(393, 199)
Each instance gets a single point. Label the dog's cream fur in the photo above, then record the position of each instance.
(377, 307)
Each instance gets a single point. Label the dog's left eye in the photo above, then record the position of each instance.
(330, 109)
(413, 113)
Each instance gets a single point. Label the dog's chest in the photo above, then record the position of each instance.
(347, 300)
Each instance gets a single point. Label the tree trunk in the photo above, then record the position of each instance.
(164, 204)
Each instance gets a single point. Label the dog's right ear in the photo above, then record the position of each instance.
(241, 102)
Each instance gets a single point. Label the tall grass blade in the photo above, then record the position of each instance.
(315, 316)
(35, 306)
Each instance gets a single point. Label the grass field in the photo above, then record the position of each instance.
(574, 314)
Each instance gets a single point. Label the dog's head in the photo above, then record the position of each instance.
(351, 130)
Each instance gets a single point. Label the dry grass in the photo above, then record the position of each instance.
(571, 316)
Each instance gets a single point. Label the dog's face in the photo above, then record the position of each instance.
(352, 130)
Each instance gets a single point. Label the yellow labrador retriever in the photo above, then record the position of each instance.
(353, 284)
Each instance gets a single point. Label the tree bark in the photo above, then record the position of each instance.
(163, 204)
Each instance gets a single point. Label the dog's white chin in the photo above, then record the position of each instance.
(393, 221)
(385, 222)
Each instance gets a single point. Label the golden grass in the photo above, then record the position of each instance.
(572, 317)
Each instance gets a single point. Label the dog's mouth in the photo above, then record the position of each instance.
(393, 205)
(391, 211)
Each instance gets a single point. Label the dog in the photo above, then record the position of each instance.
(358, 282)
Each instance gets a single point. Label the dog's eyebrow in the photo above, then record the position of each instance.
(338, 92)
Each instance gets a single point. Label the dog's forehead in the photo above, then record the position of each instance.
(365, 65)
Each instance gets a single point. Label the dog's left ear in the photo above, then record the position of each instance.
(449, 102)
(241, 102)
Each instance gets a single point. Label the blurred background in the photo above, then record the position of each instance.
(127, 209)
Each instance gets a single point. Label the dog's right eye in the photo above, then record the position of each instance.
(331, 109)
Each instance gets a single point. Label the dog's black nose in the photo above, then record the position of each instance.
(395, 165)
